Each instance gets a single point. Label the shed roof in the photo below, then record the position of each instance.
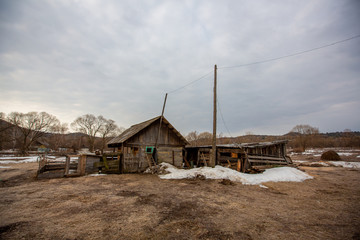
(135, 129)
(244, 145)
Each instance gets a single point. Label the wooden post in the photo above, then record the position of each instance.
(161, 118)
(82, 165)
(123, 158)
(213, 154)
(67, 165)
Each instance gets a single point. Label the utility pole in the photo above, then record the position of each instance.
(161, 118)
(213, 155)
(155, 154)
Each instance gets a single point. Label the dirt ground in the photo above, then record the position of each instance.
(142, 206)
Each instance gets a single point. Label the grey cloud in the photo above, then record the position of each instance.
(119, 58)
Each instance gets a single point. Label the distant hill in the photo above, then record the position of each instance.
(78, 140)
(9, 137)
(321, 140)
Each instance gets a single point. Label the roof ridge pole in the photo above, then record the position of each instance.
(161, 118)
(213, 154)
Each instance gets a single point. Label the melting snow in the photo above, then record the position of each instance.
(281, 174)
(306, 163)
(320, 163)
(346, 164)
(4, 167)
(10, 160)
(97, 174)
(312, 151)
(345, 154)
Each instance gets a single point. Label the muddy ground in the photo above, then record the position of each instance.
(141, 206)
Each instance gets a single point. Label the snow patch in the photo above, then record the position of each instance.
(4, 167)
(281, 174)
(346, 164)
(11, 160)
(313, 151)
(345, 154)
(320, 163)
(97, 174)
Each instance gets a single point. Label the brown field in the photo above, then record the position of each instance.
(141, 206)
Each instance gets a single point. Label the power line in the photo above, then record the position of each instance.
(291, 55)
(278, 58)
(265, 61)
(260, 62)
(227, 129)
(188, 84)
(222, 118)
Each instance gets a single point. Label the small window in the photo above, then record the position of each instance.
(149, 149)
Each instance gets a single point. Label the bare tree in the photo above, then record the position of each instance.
(90, 125)
(108, 129)
(57, 139)
(197, 139)
(305, 134)
(205, 138)
(192, 138)
(32, 126)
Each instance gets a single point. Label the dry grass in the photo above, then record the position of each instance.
(134, 206)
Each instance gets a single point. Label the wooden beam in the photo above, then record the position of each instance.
(267, 158)
(67, 165)
(267, 161)
(161, 118)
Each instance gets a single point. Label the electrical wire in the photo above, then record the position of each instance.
(265, 61)
(290, 55)
(190, 83)
(227, 129)
(259, 62)
(222, 118)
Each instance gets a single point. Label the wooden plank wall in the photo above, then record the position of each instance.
(90, 167)
(172, 155)
(147, 137)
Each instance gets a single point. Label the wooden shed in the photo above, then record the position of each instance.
(241, 156)
(137, 145)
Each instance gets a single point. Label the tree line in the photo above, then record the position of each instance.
(301, 137)
(22, 130)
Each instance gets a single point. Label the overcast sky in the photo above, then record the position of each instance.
(119, 58)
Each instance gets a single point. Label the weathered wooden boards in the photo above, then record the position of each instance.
(74, 165)
(267, 160)
(157, 134)
(241, 157)
(110, 163)
(172, 155)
